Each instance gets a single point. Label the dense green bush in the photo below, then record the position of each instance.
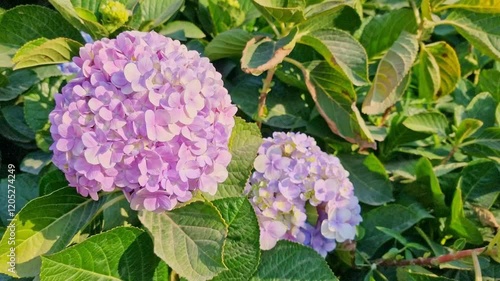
(405, 93)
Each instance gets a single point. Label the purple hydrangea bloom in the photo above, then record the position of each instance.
(146, 116)
(292, 177)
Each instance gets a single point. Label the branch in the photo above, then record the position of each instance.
(434, 261)
(266, 87)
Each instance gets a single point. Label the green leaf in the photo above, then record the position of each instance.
(479, 182)
(159, 11)
(370, 180)
(35, 161)
(22, 24)
(68, 11)
(29, 46)
(188, 29)
(225, 15)
(482, 107)
(228, 44)
(287, 107)
(53, 51)
(243, 145)
(489, 82)
(417, 273)
(335, 99)
(459, 224)
(449, 67)
(64, 213)
(384, 216)
(25, 189)
(39, 102)
(479, 29)
(262, 53)
(391, 76)
(383, 30)
(241, 248)
(292, 261)
(339, 17)
(428, 122)
(14, 116)
(18, 82)
(466, 129)
(189, 239)
(340, 48)
(427, 188)
(52, 181)
(478, 6)
(124, 253)
(282, 10)
(429, 80)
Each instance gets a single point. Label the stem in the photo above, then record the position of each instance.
(477, 268)
(266, 87)
(174, 276)
(448, 157)
(385, 116)
(434, 261)
(273, 27)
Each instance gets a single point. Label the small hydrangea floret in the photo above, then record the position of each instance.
(302, 194)
(146, 116)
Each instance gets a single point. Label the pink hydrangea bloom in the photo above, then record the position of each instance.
(146, 116)
(292, 175)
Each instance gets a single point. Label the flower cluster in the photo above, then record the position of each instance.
(146, 116)
(70, 68)
(302, 194)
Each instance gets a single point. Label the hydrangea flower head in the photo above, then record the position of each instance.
(146, 116)
(302, 194)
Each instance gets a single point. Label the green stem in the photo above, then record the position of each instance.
(266, 88)
(477, 268)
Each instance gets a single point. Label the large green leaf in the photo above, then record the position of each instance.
(286, 107)
(385, 216)
(53, 51)
(263, 53)
(371, 182)
(335, 99)
(459, 224)
(39, 102)
(22, 24)
(228, 44)
(340, 48)
(243, 145)
(124, 253)
(282, 10)
(383, 30)
(479, 182)
(185, 28)
(426, 189)
(481, 30)
(64, 213)
(339, 17)
(23, 186)
(478, 6)
(292, 261)
(189, 239)
(466, 128)
(18, 82)
(429, 80)
(35, 161)
(241, 248)
(449, 67)
(7, 51)
(159, 11)
(428, 122)
(482, 107)
(68, 11)
(489, 82)
(14, 118)
(392, 75)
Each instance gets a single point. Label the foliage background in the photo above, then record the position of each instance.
(405, 93)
